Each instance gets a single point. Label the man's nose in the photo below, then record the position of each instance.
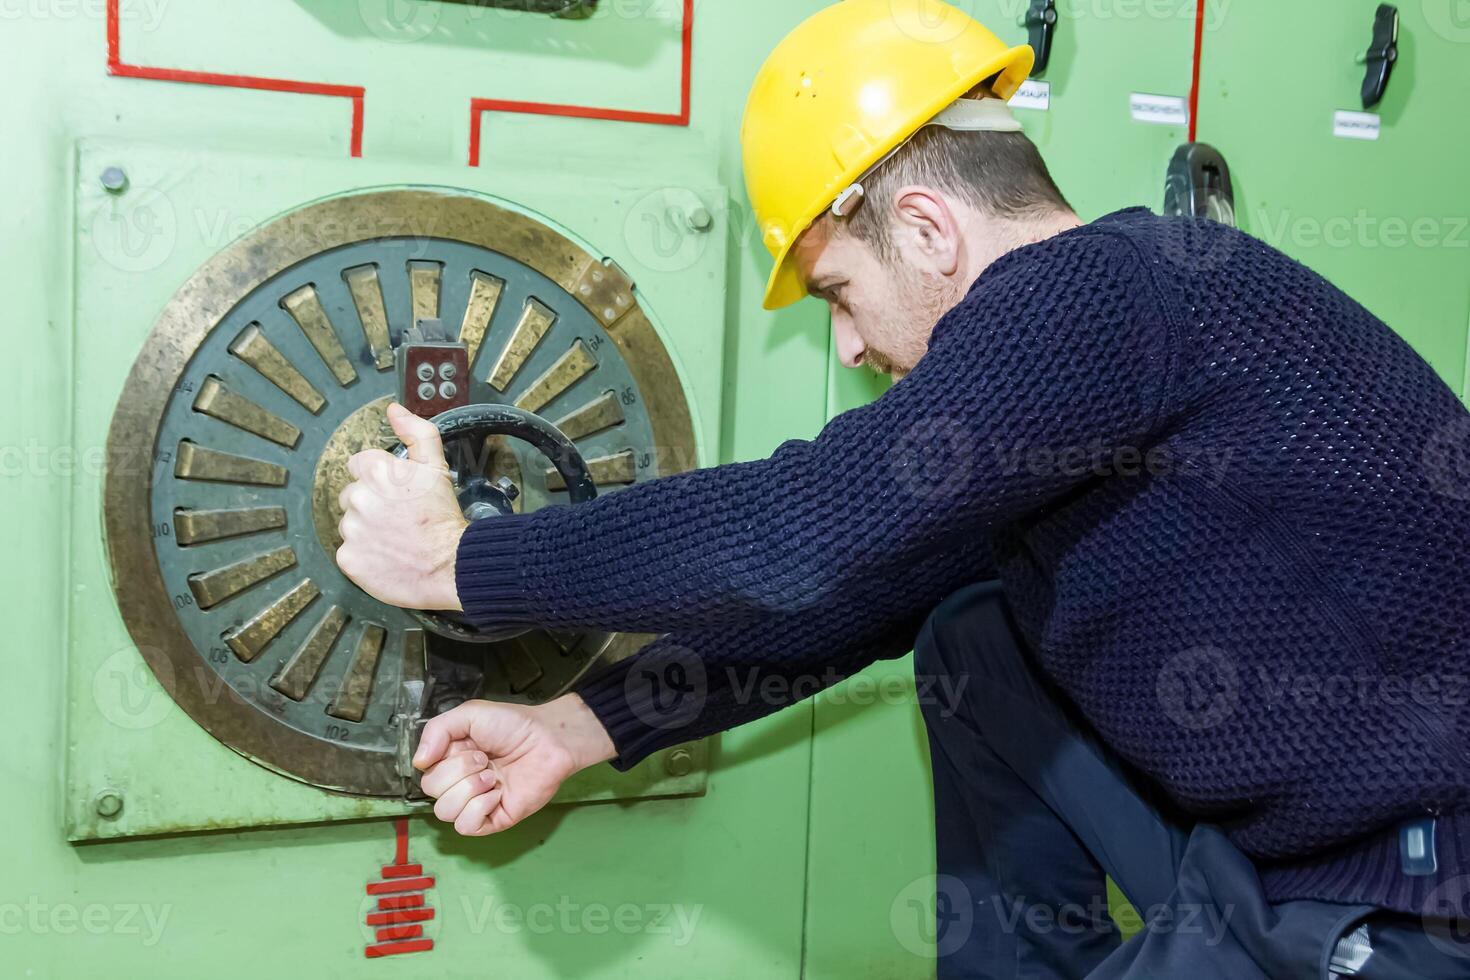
(850, 346)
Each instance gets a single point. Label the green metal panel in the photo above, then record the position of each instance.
(1388, 221)
(1105, 51)
(124, 734)
(653, 888)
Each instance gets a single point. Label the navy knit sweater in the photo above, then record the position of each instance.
(1230, 508)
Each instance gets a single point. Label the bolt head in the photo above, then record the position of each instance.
(114, 180)
(507, 486)
(679, 762)
(700, 219)
(109, 804)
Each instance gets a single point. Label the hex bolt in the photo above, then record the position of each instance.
(479, 510)
(679, 762)
(114, 180)
(446, 370)
(448, 390)
(700, 219)
(425, 371)
(109, 804)
(507, 486)
(426, 392)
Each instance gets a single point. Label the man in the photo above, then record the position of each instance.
(1207, 480)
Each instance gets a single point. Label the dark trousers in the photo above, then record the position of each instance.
(1032, 814)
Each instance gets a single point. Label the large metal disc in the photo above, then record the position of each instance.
(266, 371)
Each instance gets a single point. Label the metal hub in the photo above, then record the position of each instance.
(267, 370)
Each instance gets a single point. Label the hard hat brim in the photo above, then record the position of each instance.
(785, 286)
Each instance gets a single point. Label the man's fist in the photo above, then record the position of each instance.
(401, 523)
(491, 765)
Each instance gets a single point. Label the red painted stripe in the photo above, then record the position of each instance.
(115, 66)
(400, 832)
(393, 918)
(402, 870)
(404, 885)
(400, 932)
(1199, 46)
(680, 118)
(393, 949)
(401, 902)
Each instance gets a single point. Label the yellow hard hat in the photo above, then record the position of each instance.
(850, 84)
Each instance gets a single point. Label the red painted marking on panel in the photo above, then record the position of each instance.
(392, 918)
(1199, 46)
(116, 66)
(400, 834)
(402, 885)
(393, 949)
(680, 118)
(400, 932)
(401, 902)
(402, 870)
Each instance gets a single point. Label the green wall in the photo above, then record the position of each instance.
(803, 855)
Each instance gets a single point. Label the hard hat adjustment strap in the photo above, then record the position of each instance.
(962, 115)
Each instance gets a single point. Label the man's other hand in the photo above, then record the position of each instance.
(491, 765)
(401, 523)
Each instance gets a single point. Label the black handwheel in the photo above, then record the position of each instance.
(482, 500)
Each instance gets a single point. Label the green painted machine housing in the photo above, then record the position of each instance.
(813, 835)
(133, 243)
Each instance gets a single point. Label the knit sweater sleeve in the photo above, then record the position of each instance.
(1057, 353)
(693, 683)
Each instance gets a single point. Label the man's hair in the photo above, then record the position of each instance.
(999, 174)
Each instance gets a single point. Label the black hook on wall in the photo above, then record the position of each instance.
(1040, 22)
(1383, 52)
(1198, 184)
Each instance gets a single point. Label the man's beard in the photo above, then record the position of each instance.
(922, 301)
(882, 363)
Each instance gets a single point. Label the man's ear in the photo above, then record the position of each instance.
(927, 225)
